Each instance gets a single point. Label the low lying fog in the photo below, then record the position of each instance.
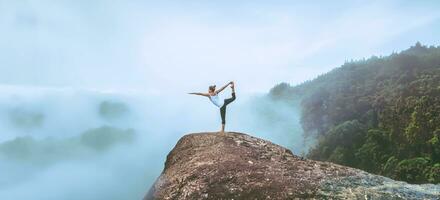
(73, 144)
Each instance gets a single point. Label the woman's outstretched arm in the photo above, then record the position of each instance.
(201, 94)
(222, 88)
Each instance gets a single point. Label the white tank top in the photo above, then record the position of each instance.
(216, 100)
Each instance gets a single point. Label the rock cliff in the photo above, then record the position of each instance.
(239, 166)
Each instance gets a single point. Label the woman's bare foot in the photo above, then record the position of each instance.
(223, 129)
(233, 86)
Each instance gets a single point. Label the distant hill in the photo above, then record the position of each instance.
(380, 114)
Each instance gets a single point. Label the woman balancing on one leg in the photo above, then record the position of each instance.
(215, 99)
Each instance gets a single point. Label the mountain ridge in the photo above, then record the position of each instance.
(379, 114)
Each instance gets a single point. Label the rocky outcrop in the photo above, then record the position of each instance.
(239, 166)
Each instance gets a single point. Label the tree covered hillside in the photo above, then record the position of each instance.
(381, 115)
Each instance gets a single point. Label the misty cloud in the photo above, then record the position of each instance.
(50, 150)
(112, 110)
(174, 46)
(25, 119)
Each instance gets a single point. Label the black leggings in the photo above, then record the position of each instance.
(223, 108)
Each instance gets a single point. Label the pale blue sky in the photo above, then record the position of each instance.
(180, 46)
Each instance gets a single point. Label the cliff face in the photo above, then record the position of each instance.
(239, 166)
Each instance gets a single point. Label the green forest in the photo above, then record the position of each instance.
(381, 114)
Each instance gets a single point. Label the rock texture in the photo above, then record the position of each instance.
(239, 166)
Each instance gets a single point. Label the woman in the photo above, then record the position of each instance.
(215, 99)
